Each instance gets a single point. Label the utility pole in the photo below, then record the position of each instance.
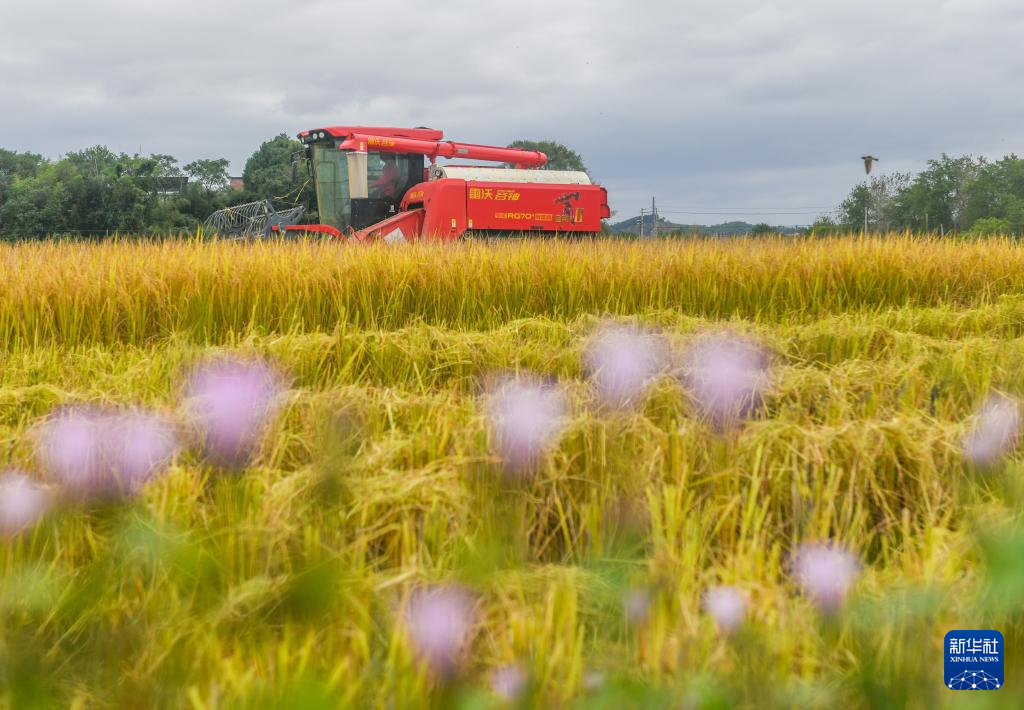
(641, 222)
(654, 218)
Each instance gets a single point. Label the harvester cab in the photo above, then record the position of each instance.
(385, 184)
(360, 185)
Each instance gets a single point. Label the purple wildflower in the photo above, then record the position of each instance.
(70, 449)
(727, 606)
(508, 682)
(636, 604)
(231, 402)
(96, 453)
(439, 622)
(593, 681)
(139, 445)
(726, 376)
(825, 573)
(525, 417)
(995, 433)
(622, 363)
(22, 503)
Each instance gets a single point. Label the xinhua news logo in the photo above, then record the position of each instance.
(974, 660)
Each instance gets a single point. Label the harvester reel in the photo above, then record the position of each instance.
(252, 220)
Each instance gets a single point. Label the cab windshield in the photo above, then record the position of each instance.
(388, 177)
(331, 174)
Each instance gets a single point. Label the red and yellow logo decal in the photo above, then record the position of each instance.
(525, 216)
(487, 193)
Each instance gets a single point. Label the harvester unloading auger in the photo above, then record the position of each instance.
(375, 184)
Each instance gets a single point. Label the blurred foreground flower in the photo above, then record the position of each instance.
(525, 417)
(825, 573)
(22, 503)
(622, 362)
(231, 402)
(95, 453)
(726, 375)
(636, 605)
(139, 445)
(995, 433)
(593, 681)
(508, 682)
(439, 622)
(727, 606)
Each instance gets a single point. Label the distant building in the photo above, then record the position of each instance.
(169, 185)
(236, 183)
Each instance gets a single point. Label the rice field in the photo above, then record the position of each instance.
(508, 475)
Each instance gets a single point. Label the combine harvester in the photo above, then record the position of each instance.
(375, 184)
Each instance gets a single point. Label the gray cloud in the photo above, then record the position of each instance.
(738, 104)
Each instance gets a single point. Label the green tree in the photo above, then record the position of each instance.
(268, 171)
(936, 199)
(990, 226)
(826, 226)
(197, 203)
(877, 200)
(87, 176)
(107, 191)
(97, 191)
(36, 205)
(211, 174)
(560, 157)
(852, 210)
(997, 192)
(14, 165)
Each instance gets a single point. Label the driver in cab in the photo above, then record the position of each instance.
(388, 183)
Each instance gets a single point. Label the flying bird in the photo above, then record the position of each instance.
(868, 161)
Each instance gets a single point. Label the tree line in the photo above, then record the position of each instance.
(97, 191)
(962, 195)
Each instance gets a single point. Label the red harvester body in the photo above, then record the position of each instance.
(373, 184)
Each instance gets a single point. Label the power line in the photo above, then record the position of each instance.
(775, 207)
(748, 212)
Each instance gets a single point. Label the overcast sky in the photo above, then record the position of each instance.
(749, 105)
